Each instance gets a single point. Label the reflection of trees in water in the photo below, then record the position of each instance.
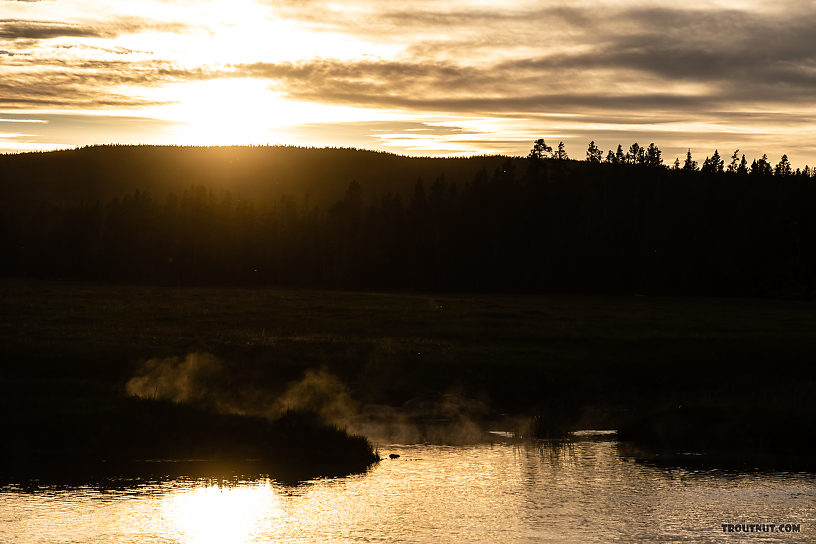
(557, 452)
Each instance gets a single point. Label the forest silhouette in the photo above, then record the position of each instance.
(671, 373)
(343, 218)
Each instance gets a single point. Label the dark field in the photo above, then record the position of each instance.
(366, 360)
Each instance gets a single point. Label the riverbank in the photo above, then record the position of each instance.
(400, 358)
(759, 436)
(49, 438)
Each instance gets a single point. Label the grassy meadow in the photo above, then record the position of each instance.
(71, 349)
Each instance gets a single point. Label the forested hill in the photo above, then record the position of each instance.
(534, 224)
(259, 174)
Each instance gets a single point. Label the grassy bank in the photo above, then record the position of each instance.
(588, 361)
(746, 436)
(54, 437)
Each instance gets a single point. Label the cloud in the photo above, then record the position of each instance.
(50, 131)
(731, 54)
(89, 84)
(550, 58)
(14, 29)
(672, 70)
(636, 61)
(499, 89)
(22, 29)
(377, 134)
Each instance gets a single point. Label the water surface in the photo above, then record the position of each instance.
(501, 492)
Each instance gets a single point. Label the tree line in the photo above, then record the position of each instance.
(652, 156)
(537, 224)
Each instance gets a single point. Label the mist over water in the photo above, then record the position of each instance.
(205, 380)
(175, 378)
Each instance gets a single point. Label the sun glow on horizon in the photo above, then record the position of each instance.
(238, 111)
(221, 112)
(376, 75)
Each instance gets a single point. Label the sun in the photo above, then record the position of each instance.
(223, 112)
(245, 111)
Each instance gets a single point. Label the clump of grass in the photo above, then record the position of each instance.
(127, 430)
(303, 438)
(724, 434)
(553, 420)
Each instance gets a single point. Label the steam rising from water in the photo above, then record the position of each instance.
(203, 379)
(174, 378)
(321, 392)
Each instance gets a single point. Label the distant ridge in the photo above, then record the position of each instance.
(345, 218)
(262, 174)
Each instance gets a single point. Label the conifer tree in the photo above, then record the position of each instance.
(635, 154)
(593, 154)
(717, 162)
(734, 164)
(561, 153)
(761, 167)
(783, 167)
(620, 158)
(690, 165)
(713, 164)
(742, 169)
(538, 150)
(654, 156)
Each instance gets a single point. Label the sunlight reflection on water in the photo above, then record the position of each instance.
(577, 492)
(217, 513)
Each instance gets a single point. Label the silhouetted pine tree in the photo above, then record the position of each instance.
(593, 154)
(653, 156)
(635, 154)
(713, 164)
(761, 167)
(783, 167)
(561, 153)
(620, 158)
(690, 165)
(742, 169)
(539, 149)
(733, 166)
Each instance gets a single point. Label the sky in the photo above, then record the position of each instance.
(415, 77)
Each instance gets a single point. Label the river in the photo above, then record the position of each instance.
(500, 492)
